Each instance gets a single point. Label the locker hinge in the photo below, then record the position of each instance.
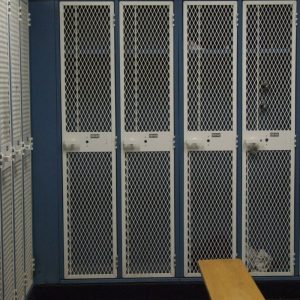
(174, 261)
(33, 265)
(174, 142)
(16, 294)
(237, 141)
(296, 19)
(173, 20)
(29, 19)
(237, 19)
(114, 20)
(20, 13)
(116, 142)
(116, 262)
(9, 7)
(294, 259)
(25, 280)
(295, 141)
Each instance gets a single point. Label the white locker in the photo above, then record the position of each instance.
(269, 42)
(88, 122)
(146, 42)
(210, 53)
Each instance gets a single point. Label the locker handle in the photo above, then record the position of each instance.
(193, 143)
(130, 146)
(71, 147)
(252, 145)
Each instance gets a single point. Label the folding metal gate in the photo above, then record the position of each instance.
(146, 32)
(88, 117)
(210, 38)
(269, 131)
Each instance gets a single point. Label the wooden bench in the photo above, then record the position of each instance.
(228, 279)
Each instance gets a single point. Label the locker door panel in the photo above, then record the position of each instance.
(268, 137)
(88, 117)
(210, 38)
(147, 138)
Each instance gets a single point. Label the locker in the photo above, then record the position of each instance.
(269, 136)
(88, 124)
(147, 128)
(210, 53)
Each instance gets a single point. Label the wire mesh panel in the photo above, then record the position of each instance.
(27, 194)
(269, 60)
(209, 206)
(268, 211)
(87, 55)
(15, 76)
(8, 234)
(18, 229)
(4, 77)
(148, 214)
(89, 209)
(269, 136)
(24, 34)
(146, 38)
(210, 69)
(210, 50)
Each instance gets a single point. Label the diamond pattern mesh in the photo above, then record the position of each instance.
(88, 73)
(210, 43)
(28, 219)
(209, 206)
(4, 76)
(269, 66)
(26, 120)
(148, 213)
(147, 85)
(15, 71)
(8, 234)
(268, 211)
(18, 229)
(89, 213)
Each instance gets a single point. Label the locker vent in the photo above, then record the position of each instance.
(89, 213)
(8, 238)
(4, 77)
(146, 38)
(269, 66)
(87, 55)
(210, 210)
(28, 218)
(268, 211)
(19, 234)
(148, 212)
(210, 67)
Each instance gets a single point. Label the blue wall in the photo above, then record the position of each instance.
(46, 127)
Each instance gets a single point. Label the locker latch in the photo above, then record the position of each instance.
(193, 143)
(71, 146)
(252, 145)
(131, 145)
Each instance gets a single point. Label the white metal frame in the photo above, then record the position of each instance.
(106, 142)
(284, 141)
(134, 141)
(227, 139)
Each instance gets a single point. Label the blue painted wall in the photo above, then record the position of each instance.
(46, 128)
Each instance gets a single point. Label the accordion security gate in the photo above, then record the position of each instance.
(16, 270)
(147, 219)
(269, 136)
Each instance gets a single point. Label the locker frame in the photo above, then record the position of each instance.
(107, 144)
(165, 142)
(285, 142)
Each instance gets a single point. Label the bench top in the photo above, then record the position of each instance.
(228, 279)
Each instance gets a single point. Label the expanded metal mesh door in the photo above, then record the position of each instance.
(210, 132)
(87, 55)
(269, 130)
(4, 78)
(8, 234)
(19, 229)
(146, 30)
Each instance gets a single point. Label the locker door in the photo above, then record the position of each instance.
(210, 41)
(27, 144)
(88, 118)
(146, 30)
(268, 133)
